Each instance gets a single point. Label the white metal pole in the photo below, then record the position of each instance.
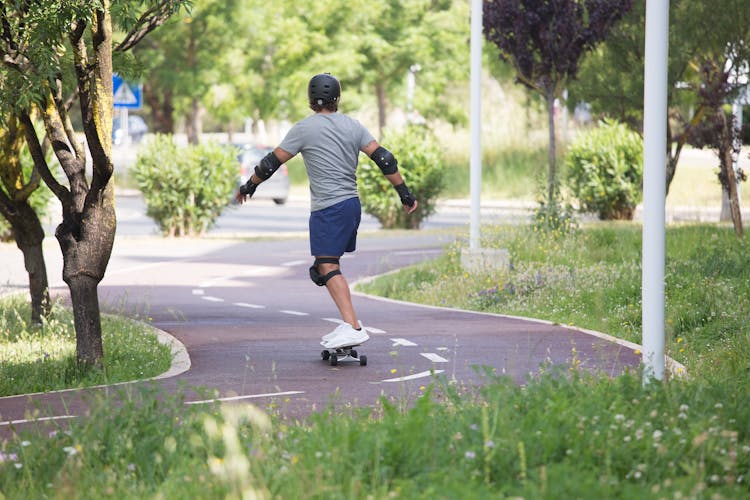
(476, 123)
(654, 186)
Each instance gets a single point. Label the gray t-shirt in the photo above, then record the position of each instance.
(330, 145)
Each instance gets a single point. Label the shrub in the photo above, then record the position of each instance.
(605, 171)
(420, 162)
(185, 188)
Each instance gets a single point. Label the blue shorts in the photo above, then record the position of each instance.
(333, 230)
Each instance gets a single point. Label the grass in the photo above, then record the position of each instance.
(36, 358)
(565, 433)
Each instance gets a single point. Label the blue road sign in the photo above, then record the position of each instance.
(126, 94)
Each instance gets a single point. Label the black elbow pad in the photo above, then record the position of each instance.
(385, 160)
(267, 166)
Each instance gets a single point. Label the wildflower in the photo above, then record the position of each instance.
(25, 443)
(474, 427)
(470, 455)
(131, 467)
(619, 417)
(489, 444)
(70, 450)
(393, 370)
(627, 439)
(657, 435)
(18, 466)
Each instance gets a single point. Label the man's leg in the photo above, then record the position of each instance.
(338, 288)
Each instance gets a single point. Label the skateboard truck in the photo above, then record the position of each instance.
(345, 354)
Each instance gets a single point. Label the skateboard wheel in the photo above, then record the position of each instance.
(354, 353)
(363, 361)
(325, 355)
(334, 360)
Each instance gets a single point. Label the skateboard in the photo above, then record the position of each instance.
(345, 354)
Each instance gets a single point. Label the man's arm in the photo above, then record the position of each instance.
(388, 164)
(265, 169)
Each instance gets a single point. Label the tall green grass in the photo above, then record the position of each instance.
(564, 433)
(36, 358)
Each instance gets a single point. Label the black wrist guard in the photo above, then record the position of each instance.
(248, 189)
(407, 198)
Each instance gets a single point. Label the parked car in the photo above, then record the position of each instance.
(276, 187)
(137, 129)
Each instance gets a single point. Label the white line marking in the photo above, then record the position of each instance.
(212, 299)
(417, 252)
(374, 330)
(415, 376)
(248, 396)
(293, 263)
(443, 349)
(198, 291)
(435, 358)
(403, 342)
(249, 306)
(294, 313)
(40, 419)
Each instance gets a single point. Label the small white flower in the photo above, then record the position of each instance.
(489, 444)
(718, 406)
(470, 455)
(18, 466)
(619, 417)
(70, 450)
(657, 435)
(684, 407)
(25, 443)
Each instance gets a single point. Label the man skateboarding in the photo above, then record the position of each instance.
(330, 143)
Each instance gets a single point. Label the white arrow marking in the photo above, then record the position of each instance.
(415, 376)
(403, 342)
(212, 299)
(374, 330)
(198, 291)
(434, 357)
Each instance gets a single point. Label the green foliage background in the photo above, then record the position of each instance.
(185, 188)
(605, 170)
(421, 164)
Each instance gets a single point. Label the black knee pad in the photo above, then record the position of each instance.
(320, 279)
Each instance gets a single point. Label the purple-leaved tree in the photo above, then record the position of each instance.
(544, 40)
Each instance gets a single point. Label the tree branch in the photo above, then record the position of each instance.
(149, 21)
(40, 162)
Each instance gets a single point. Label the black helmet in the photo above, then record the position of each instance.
(323, 89)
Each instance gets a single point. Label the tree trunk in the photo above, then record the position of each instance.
(29, 235)
(162, 108)
(727, 164)
(86, 241)
(194, 126)
(380, 93)
(84, 295)
(551, 181)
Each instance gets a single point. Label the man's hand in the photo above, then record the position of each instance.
(246, 190)
(408, 200)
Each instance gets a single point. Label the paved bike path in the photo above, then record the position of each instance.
(251, 322)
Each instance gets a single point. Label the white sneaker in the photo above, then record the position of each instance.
(339, 329)
(343, 336)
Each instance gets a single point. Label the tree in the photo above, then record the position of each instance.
(16, 190)
(58, 48)
(544, 40)
(611, 79)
